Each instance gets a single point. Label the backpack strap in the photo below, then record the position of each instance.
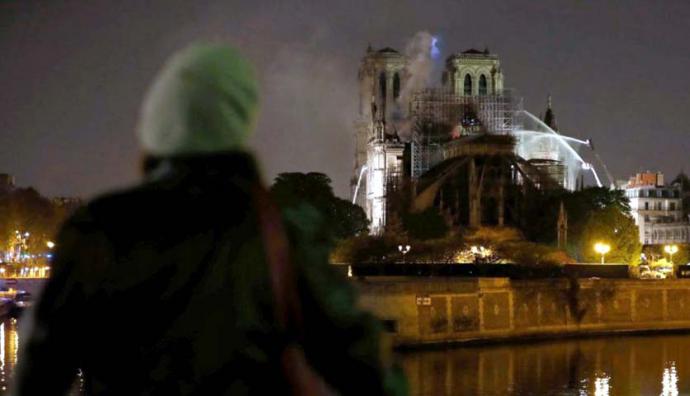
(301, 377)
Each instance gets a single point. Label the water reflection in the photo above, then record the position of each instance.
(9, 344)
(9, 347)
(669, 382)
(639, 365)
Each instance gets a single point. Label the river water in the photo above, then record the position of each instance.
(625, 365)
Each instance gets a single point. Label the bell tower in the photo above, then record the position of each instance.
(381, 76)
(474, 73)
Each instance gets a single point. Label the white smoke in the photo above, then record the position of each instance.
(420, 52)
(420, 64)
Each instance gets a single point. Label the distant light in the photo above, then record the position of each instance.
(435, 51)
(671, 249)
(602, 248)
(50, 244)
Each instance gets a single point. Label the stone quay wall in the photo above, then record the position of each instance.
(419, 311)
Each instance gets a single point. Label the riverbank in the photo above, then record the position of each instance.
(437, 311)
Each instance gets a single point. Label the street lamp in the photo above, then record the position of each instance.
(50, 244)
(404, 249)
(602, 249)
(671, 250)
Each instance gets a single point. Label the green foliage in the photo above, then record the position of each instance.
(510, 245)
(428, 224)
(361, 249)
(541, 212)
(348, 219)
(611, 226)
(656, 253)
(25, 210)
(344, 218)
(384, 249)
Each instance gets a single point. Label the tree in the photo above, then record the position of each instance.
(541, 213)
(25, 210)
(612, 226)
(428, 224)
(343, 218)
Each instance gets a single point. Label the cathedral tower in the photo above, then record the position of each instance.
(381, 76)
(473, 73)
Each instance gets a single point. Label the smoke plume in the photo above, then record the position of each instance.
(420, 51)
(420, 64)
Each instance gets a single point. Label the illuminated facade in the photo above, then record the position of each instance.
(402, 135)
(657, 209)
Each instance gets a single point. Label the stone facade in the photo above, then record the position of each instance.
(424, 311)
(657, 210)
(474, 73)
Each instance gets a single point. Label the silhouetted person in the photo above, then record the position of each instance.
(169, 288)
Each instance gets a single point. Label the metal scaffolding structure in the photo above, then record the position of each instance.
(439, 116)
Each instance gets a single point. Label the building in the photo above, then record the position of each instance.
(461, 146)
(7, 183)
(657, 209)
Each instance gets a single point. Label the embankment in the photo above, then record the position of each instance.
(420, 311)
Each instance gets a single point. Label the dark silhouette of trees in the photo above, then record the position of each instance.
(541, 215)
(25, 210)
(344, 219)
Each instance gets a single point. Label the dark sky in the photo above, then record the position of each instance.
(73, 74)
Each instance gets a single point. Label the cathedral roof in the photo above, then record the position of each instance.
(387, 50)
(474, 51)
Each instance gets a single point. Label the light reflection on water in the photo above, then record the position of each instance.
(631, 365)
(639, 365)
(9, 348)
(9, 344)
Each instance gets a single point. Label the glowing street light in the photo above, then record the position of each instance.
(602, 249)
(50, 244)
(404, 249)
(671, 250)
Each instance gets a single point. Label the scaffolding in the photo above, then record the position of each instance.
(439, 116)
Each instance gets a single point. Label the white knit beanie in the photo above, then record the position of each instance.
(203, 101)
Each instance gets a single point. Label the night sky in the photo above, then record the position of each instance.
(74, 72)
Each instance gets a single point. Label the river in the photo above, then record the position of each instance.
(623, 365)
(615, 365)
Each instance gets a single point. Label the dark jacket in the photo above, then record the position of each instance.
(164, 289)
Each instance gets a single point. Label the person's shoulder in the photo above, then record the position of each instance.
(121, 198)
(100, 212)
(126, 203)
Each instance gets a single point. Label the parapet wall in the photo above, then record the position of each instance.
(442, 310)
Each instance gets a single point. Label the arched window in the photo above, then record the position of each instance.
(468, 85)
(396, 86)
(382, 86)
(482, 85)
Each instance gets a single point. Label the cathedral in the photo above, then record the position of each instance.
(463, 147)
